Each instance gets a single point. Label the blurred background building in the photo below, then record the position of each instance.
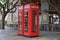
(49, 18)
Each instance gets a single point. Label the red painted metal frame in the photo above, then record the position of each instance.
(29, 8)
(21, 20)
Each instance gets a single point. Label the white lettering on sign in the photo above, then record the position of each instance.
(20, 7)
(27, 6)
(34, 6)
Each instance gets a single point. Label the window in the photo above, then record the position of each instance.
(26, 21)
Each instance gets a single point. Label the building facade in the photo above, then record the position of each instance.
(46, 19)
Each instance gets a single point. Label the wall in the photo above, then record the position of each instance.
(44, 15)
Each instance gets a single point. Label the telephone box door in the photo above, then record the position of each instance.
(31, 20)
(20, 20)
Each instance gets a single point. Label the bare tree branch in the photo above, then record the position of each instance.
(54, 6)
(12, 11)
(14, 5)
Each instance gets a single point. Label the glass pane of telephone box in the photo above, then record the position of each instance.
(20, 16)
(26, 21)
(34, 20)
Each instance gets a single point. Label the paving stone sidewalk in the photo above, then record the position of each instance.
(12, 35)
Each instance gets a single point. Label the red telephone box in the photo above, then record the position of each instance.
(31, 20)
(20, 20)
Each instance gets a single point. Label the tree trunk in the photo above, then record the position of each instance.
(3, 21)
(4, 13)
(3, 18)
